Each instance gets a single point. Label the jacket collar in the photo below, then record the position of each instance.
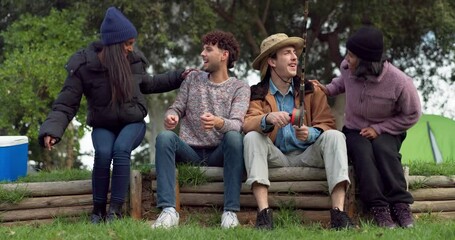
(260, 90)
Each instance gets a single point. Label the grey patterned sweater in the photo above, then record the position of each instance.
(197, 95)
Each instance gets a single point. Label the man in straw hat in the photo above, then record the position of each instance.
(273, 141)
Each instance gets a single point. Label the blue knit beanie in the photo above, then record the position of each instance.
(367, 44)
(116, 28)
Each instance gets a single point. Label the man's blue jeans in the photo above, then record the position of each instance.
(115, 146)
(228, 154)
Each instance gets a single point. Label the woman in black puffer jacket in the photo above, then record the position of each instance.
(113, 78)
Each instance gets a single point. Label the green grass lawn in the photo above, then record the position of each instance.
(426, 228)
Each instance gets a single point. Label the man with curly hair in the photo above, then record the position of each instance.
(211, 107)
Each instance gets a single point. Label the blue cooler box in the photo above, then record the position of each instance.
(13, 157)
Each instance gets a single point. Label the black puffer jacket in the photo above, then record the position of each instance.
(86, 76)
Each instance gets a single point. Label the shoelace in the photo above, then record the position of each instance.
(345, 218)
(382, 214)
(163, 215)
(229, 217)
(402, 212)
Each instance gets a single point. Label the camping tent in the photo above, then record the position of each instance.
(433, 135)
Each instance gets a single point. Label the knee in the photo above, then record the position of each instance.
(333, 134)
(103, 152)
(165, 137)
(252, 137)
(233, 139)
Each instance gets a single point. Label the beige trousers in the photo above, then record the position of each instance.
(329, 152)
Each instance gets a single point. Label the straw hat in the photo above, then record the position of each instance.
(272, 44)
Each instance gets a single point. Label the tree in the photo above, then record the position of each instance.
(418, 35)
(35, 50)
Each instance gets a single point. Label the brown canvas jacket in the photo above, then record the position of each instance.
(317, 109)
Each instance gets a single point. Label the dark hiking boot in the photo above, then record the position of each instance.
(98, 213)
(96, 218)
(402, 214)
(264, 219)
(115, 212)
(340, 220)
(382, 217)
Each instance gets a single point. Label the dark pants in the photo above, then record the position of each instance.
(378, 169)
(114, 146)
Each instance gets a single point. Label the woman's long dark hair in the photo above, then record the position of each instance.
(119, 73)
(366, 68)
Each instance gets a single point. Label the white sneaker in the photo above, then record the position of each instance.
(229, 220)
(168, 218)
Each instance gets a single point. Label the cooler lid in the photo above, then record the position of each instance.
(6, 141)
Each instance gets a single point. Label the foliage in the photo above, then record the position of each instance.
(57, 175)
(13, 196)
(418, 37)
(32, 74)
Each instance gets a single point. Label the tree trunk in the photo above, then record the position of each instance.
(69, 160)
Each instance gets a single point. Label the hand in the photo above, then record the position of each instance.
(171, 121)
(49, 142)
(186, 72)
(210, 121)
(278, 119)
(319, 85)
(369, 133)
(301, 132)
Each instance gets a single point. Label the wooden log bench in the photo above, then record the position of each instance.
(47, 200)
(437, 195)
(302, 188)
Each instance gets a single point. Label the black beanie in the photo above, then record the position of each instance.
(367, 44)
(116, 28)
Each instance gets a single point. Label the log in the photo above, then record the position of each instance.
(304, 202)
(136, 194)
(433, 206)
(43, 213)
(433, 194)
(275, 174)
(443, 215)
(38, 221)
(215, 174)
(283, 187)
(40, 189)
(434, 181)
(46, 202)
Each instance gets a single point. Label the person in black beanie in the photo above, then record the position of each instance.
(381, 105)
(112, 76)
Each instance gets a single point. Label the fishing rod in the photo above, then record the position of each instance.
(298, 115)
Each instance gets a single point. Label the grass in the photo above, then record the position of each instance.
(13, 196)
(190, 175)
(57, 175)
(429, 169)
(426, 228)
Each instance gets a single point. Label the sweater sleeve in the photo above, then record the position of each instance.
(179, 106)
(408, 108)
(337, 85)
(240, 103)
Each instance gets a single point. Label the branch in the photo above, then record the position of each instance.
(220, 11)
(266, 12)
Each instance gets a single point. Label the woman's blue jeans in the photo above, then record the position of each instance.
(116, 147)
(228, 154)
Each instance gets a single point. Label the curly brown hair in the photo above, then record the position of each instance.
(225, 41)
